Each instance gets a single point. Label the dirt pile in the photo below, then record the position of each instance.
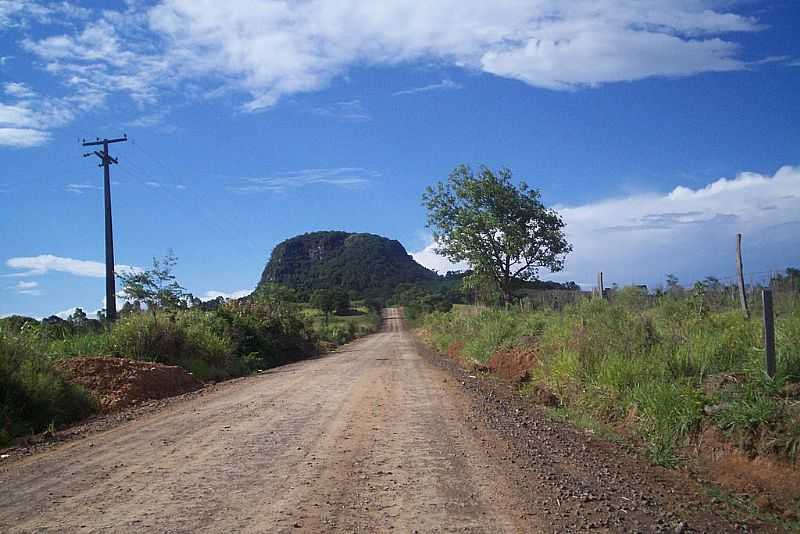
(118, 383)
(773, 483)
(514, 363)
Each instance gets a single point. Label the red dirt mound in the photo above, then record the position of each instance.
(513, 364)
(118, 383)
(775, 483)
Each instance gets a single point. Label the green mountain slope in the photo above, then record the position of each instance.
(365, 263)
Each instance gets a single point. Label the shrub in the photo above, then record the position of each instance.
(33, 395)
(186, 338)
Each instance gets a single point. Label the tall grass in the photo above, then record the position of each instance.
(641, 365)
(33, 395)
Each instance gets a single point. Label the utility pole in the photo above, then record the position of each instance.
(106, 161)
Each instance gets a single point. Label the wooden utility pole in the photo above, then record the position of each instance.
(106, 161)
(769, 332)
(600, 288)
(740, 273)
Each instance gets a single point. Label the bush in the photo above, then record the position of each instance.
(33, 395)
(266, 333)
(191, 339)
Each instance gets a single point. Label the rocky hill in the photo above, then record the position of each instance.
(365, 263)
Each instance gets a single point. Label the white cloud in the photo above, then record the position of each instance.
(66, 313)
(689, 232)
(427, 257)
(149, 120)
(159, 185)
(213, 294)
(271, 49)
(347, 177)
(348, 110)
(24, 287)
(39, 265)
(22, 12)
(80, 189)
(25, 122)
(443, 85)
(18, 90)
(22, 137)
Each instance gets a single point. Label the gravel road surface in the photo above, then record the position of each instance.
(377, 436)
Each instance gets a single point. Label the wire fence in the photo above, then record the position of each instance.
(713, 293)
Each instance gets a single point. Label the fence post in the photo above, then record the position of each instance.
(600, 291)
(769, 332)
(740, 272)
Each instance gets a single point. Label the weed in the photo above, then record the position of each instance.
(646, 355)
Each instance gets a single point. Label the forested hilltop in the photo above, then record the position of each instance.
(367, 264)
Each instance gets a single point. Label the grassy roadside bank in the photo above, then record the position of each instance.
(665, 375)
(234, 340)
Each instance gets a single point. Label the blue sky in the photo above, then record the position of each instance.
(658, 128)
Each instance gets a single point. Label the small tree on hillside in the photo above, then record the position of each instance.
(156, 287)
(500, 229)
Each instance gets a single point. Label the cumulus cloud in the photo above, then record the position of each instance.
(22, 137)
(689, 232)
(347, 177)
(39, 265)
(213, 294)
(428, 257)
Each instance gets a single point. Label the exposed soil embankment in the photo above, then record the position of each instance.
(118, 383)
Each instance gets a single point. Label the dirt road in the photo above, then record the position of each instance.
(374, 437)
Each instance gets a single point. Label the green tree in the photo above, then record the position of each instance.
(325, 301)
(78, 319)
(342, 300)
(480, 288)
(500, 229)
(156, 287)
(673, 285)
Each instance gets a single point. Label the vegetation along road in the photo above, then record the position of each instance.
(378, 435)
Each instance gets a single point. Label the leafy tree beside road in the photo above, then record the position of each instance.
(157, 287)
(500, 229)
